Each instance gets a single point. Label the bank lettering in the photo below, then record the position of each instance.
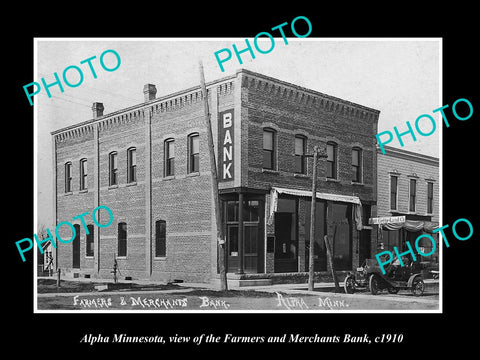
(225, 139)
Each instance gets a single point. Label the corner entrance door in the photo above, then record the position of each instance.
(76, 248)
(250, 248)
(250, 244)
(250, 219)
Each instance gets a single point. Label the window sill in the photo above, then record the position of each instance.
(301, 176)
(133, 183)
(83, 191)
(357, 183)
(68, 193)
(121, 258)
(112, 187)
(160, 258)
(270, 171)
(332, 180)
(170, 177)
(192, 174)
(89, 257)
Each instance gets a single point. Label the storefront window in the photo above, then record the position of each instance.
(232, 210)
(286, 229)
(250, 210)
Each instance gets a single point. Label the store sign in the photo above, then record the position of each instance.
(225, 145)
(386, 220)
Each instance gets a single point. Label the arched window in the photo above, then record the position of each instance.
(89, 246)
(269, 150)
(131, 165)
(160, 238)
(83, 174)
(193, 153)
(68, 177)
(357, 165)
(169, 163)
(300, 149)
(331, 160)
(113, 168)
(122, 239)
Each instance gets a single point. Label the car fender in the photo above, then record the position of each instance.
(413, 277)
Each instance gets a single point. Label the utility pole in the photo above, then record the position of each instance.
(311, 269)
(216, 200)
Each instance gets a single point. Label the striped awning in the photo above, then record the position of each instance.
(325, 196)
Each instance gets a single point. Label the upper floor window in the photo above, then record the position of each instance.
(193, 153)
(68, 177)
(429, 198)
(113, 168)
(393, 192)
(300, 148)
(413, 195)
(269, 149)
(83, 174)
(331, 160)
(357, 165)
(169, 149)
(131, 165)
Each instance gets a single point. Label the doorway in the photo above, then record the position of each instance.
(252, 233)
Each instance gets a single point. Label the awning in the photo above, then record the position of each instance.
(324, 196)
(411, 225)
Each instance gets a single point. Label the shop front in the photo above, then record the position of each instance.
(339, 217)
(270, 232)
(395, 231)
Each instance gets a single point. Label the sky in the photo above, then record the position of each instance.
(399, 77)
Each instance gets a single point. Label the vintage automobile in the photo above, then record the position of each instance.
(396, 277)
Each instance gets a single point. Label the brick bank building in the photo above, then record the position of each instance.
(149, 164)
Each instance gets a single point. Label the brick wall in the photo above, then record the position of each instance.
(76, 202)
(291, 110)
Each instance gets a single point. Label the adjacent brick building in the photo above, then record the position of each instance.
(408, 187)
(150, 165)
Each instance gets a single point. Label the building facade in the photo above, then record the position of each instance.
(408, 191)
(150, 165)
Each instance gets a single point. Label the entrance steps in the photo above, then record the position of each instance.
(242, 282)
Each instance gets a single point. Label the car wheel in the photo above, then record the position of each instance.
(418, 286)
(349, 285)
(392, 290)
(373, 284)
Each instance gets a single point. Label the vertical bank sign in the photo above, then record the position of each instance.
(225, 145)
